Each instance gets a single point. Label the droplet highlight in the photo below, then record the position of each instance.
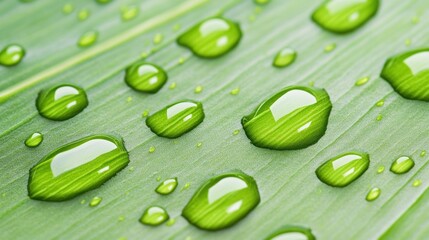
(34, 140)
(373, 194)
(154, 216)
(402, 165)
(11, 55)
(145, 77)
(167, 187)
(88, 39)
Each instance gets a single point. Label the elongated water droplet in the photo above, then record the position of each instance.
(417, 183)
(87, 39)
(129, 13)
(95, 201)
(423, 153)
(11, 55)
(76, 168)
(330, 47)
(402, 165)
(293, 118)
(212, 37)
(154, 216)
(34, 140)
(373, 194)
(380, 169)
(61, 102)
(145, 77)
(177, 119)
(292, 233)
(342, 170)
(380, 103)
(342, 16)
(408, 74)
(152, 149)
(379, 117)
(198, 89)
(284, 58)
(83, 14)
(361, 81)
(222, 201)
(167, 187)
(235, 91)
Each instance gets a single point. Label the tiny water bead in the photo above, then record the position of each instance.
(408, 74)
(343, 16)
(103, 1)
(379, 117)
(261, 2)
(402, 165)
(177, 119)
(344, 169)
(34, 140)
(330, 47)
(129, 13)
(417, 183)
(198, 89)
(284, 58)
(235, 91)
(95, 201)
(11, 55)
(83, 14)
(87, 39)
(157, 39)
(380, 169)
(68, 8)
(145, 77)
(293, 118)
(380, 103)
(170, 222)
(154, 216)
(167, 187)
(361, 81)
(61, 102)
(152, 149)
(212, 37)
(373, 194)
(76, 168)
(222, 201)
(292, 233)
(172, 86)
(423, 153)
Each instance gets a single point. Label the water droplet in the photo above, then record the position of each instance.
(103, 1)
(373, 194)
(235, 91)
(186, 186)
(95, 201)
(61, 102)
(170, 222)
(129, 99)
(342, 170)
(361, 81)
(34, 140)
(154, 216)
(11, 55)
(380, 103)
(198, 89)
(76, 168)
(145, 77)
(176, 27)
(423, 153)
(417, 183)
(292, 233)
(182, 60)
(330, 47)
(415, 19)
(380, 169)
(145, 113)
(212, 37)
(284, 58)
(293, 118)
(152, 149)
(158, 178)
(408, 74)
(236, 132)
(344, 16)
(262, 2)
(199, 144)
(379, 117)
(68, 8)
(167, 187)
(144, 54)
(177, 119)
(121, 218)
(83, 14)
(128, 13)
(407, 42)
(158, 38)
(402, 165)
(222, 201)
(87, 39)
(173, 85)
(83, 201)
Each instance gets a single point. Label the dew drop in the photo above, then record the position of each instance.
(402, 165)
(292, 233)
(380, 103)
(200, 144)
(417, 183)
(170, 222)
(423, 153)
(145, 113)
(157, 39)
(182, 60)
(167, 187)
(407, 42)
(330, 47)
(293, 118)
(380, 169)
(34, 140)
(103, 1)
(198, 89)
(11, 55)
(128, 13)
(87, 39)
(83, 14)
(284, 58)
(154, 216)
(235, 91)
(261, 2)
(172, 86)
(145, 77)
(95, 201)
(152, 149)
(68, 8)
(379, 117)
(361, 81)
(373, 194)
(236, 132)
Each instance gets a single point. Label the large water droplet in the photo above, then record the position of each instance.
(34, 140)
(177, 119)
(11, 55)
(145, 77)
(167, 187)
(222, 201)
(402, 165)
(342, 170)
(293, 118)
(373, 194)
(87, 39)
(292, 233)
(284, 58)
(342, 16)
(408, 74)
(61, 102)
(154, 216)
(212, 37)
(76, 168)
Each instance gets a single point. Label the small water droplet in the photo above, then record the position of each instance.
(76, 168)
(173, 85)
(292, 233)
(61, 102)
(235, 91)
(415, 19)
(236, 132)
(145, 77)
(407, 42)
(417, 183)
(222, 201)
(402, 165)
(157, 39)
(131, 169)
(284, 58)
(344, 169)
(158, 178)
(68, 8)
(380, 103)
(87, 39)
(330, 47)
(170, 222)
(182, 60)
(83, 14)
(199, 144)
(144, 54)
(212, 37)
(103, 1)
(177, 119)
(34, 140)
(361, 81)
(129, 99)
(423, 153)
(154, 216)
(198, 89)
(167, 187)
(95, 201)
(380, 169)
(186, 186)
(83, 201)
(145, 113)
(344, 16)
(128, 13)
(261, 2)
(373, 194)
(121, 218)
(176, 27)
(11, 55)
(152, 149)
(379, 117)
(293, 118)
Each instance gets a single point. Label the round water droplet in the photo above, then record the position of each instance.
(212, 37)
(76, 168)
(294, 118)
(177, 119)
(341, 16)
(342, 170)
(154, 216)
(379, 117)
(402, 165)
(198, 89)
(423, 153)
(235, 91)
(83, 14)
(95, 201)
(167, 187)
(145, 77)
(373, 194)
(284, 58)
(87, 39)
(222, 201)
(34, 140)
(292, 233)
(61, 102)
(408, 74)
(11, 55)
(152, 149)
